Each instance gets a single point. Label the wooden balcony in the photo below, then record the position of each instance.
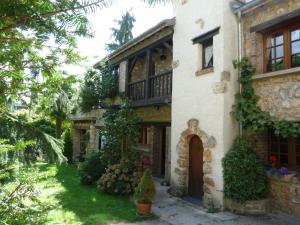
(154, 90)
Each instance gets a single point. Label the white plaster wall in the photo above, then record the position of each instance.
(122, 75)
(193, 96)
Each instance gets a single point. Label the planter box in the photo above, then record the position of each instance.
(257, 207)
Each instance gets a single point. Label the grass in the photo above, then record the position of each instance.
(74, 204)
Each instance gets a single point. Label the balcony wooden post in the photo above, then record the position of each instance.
(148, 73)
(127, 78)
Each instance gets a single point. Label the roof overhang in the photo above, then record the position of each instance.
(168, 23)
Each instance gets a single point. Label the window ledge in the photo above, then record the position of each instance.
(276, 73)
(204, 71)
(143, 148)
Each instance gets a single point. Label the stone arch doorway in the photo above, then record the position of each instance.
(195, 178)
(180, 188)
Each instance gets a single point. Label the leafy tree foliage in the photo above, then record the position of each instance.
(57, 100)
(44, 126)
(123, 32)
(98, 86)
(36, 36)
(244, 174)
(19, 203)
(14, 130)
(90, 94)
(120, 133)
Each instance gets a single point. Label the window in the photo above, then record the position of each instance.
(282, 48)
(295, 47)
(207, 54)
(287, 150)
(143, 139)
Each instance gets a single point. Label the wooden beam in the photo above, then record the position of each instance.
(127, 79)
(143, 50)
(168, 46)
(148, 73)
(132, 64)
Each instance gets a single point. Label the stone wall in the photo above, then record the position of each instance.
(261, 143)
(285, 194)
(161, 66)
(139, 71)
(182, 166)
(280, 96)
(253, 42)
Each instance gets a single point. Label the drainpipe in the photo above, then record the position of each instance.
(238, 8)
(240, 56)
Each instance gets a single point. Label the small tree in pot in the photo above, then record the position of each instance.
(145, 193)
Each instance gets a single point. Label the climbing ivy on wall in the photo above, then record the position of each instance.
(247, 112)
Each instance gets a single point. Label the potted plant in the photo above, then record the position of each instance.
(145, 193)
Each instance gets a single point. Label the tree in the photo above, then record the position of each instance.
(123, 32)
(120, 132)
(98, 86)
(37, 37)
(57, 100)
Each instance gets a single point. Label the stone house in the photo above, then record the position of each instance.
(271, 40)
(180, 77)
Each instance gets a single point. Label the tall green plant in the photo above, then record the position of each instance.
(120, 132)
(244, 174)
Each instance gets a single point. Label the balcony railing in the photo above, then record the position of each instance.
(158, 89)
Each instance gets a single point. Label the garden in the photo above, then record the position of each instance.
(39, 181)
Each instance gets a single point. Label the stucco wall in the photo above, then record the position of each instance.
(155, 114)
(209, 97)
(122, 76)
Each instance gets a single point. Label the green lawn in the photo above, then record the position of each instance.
(74, 203)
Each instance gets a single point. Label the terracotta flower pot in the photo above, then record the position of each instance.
(144, 208)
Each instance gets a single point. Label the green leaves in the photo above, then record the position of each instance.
(120, 132)
(98, 86)
(247, 112)
(244, 175)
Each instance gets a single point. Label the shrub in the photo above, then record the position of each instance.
(119, 179)
(68, 146)
(91, 169)
(244, 174)
(145, 191)
(19, 202)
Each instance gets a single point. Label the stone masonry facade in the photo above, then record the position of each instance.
(182, 168)
(279, 94)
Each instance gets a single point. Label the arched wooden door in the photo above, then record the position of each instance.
(195, 188)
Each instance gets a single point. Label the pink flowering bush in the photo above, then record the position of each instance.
(119, 179)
